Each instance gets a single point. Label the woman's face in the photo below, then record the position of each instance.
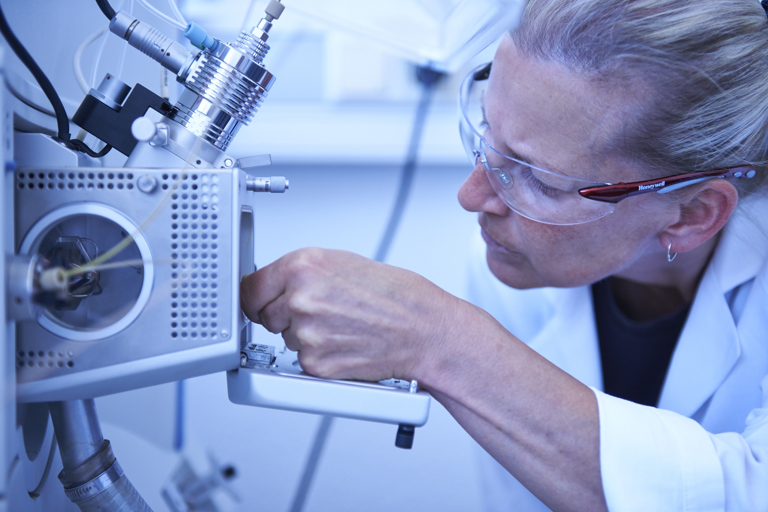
(551, 117)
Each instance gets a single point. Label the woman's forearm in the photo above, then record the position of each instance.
(538, 422)
(351, 318)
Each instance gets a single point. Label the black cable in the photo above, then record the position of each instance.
(62, 120)
(107, 9)
(428, 77)
(83, 148)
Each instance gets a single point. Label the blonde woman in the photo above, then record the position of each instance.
(616, 358)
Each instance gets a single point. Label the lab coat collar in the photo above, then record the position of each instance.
(709, 346)
(579, 354)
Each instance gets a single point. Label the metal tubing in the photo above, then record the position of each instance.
(77, 431)
(92, 478)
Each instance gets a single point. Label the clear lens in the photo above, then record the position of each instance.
(530, 191)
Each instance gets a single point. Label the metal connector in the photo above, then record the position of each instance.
(273, 184)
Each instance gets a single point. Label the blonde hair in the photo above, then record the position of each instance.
(703, 64)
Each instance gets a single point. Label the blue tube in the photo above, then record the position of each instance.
(199, 37)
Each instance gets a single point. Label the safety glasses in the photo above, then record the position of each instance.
(546, 196)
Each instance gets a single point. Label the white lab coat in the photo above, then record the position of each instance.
(706, 446)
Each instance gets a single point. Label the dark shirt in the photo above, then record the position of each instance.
(635, 355)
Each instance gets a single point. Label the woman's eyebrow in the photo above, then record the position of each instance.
(506, 150)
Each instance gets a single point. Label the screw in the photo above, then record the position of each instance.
(228, 162)
(224, 333)
(146, 183)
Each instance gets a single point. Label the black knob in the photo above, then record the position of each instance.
(228, 472)
(404, 438)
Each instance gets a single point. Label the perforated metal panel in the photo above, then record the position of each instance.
(74, 180)
(187, 239)
(195, 246)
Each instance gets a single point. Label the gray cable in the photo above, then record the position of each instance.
(428, 78)
(321, 436)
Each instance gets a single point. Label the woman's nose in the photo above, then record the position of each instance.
(477, 195)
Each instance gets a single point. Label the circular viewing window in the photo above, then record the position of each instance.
(104, 296)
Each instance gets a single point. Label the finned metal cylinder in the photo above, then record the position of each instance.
(254, 43)
(225, 88)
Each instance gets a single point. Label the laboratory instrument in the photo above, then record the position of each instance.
(118, 278)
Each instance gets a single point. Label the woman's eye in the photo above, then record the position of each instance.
(539, 185)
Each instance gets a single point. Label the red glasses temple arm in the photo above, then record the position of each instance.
(619, 191)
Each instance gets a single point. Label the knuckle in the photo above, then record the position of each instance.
(305, 260)
(310, 338)
(268, 322)
(314, 364)
(299, 303)
(291, 342)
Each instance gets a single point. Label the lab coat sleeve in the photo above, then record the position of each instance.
(657, 460)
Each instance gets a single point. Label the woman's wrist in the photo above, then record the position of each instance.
(445, 354)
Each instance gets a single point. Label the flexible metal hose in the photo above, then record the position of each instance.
(92, 478)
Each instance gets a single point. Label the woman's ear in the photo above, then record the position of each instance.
(702, 216)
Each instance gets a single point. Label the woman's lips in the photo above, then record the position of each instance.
(493, 243)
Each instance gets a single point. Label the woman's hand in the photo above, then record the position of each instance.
(350, 317)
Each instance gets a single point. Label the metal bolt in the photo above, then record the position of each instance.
(224, 333)
(146, 183)
(228, 162)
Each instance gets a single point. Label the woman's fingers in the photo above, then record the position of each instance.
(347, 316)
